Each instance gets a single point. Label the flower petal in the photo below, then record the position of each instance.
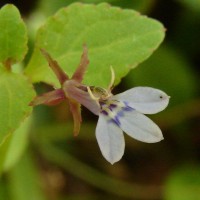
(146, 100)
(110, 139)
(140, 127)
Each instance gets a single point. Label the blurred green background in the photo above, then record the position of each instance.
(57, 166)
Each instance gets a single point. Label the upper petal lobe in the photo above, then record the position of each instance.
(146, 100)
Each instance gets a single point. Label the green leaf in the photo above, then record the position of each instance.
(9, 154)
(16, 94)
(183, 184)
(13, 35)
(115, 37)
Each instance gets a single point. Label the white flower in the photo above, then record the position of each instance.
(122, 112)
(125, 112)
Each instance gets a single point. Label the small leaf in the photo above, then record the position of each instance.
(121, 38)
(16, 94)
(13, 35)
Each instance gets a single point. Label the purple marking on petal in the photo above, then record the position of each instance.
(104, 112)
(116, 121)
(120, 113)
(102, 103)
(128, 109)
(112, 106)
(125, 102)
(117, 109)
